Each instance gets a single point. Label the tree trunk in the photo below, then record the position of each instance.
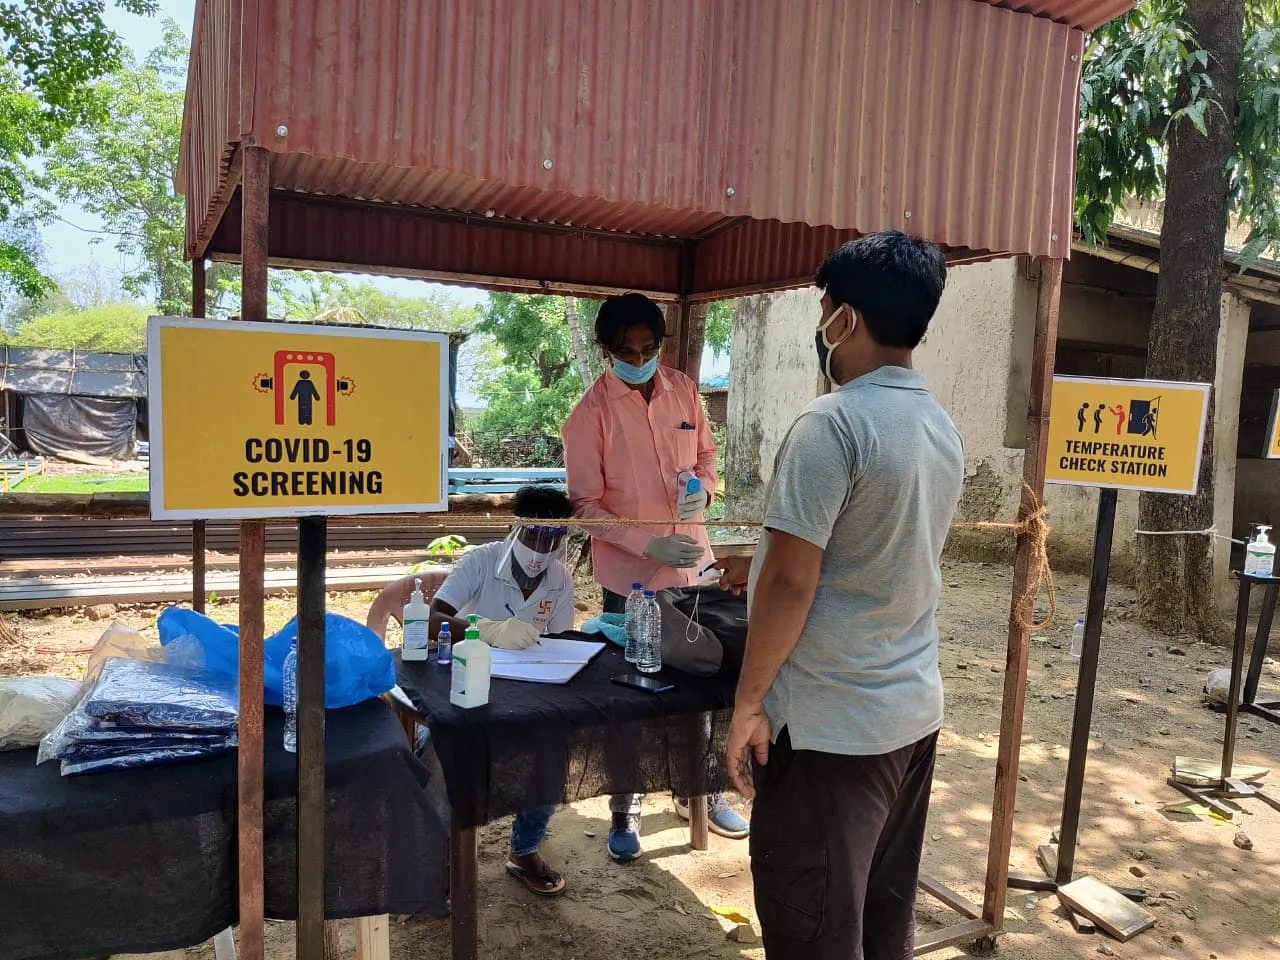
(1175, 588)
(587, 360)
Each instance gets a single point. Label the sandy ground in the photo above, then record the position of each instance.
(1221, 901)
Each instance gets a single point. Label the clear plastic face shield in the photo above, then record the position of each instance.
(532, 547)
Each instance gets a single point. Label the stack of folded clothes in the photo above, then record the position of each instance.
(140, 712)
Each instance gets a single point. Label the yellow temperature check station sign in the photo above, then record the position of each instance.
(1127, 434)
(259, 420)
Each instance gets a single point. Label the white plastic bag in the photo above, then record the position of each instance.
(32, 706)
(1218, 688)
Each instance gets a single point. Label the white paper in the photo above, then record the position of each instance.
(530, 665)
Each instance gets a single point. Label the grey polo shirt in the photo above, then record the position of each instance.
(871, 473)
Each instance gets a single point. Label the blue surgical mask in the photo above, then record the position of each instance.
(634, 375)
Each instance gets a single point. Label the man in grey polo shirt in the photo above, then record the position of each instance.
(840, 698)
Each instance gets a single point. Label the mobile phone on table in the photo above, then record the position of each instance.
(649, 684)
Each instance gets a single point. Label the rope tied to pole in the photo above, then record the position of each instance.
(1033, 524)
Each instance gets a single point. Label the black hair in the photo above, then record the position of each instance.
(619, 314)
(894, 281)
(543, 503)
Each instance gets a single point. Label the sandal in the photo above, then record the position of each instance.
(538, 877)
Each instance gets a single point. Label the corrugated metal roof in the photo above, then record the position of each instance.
(327, 234)
(1083, 14)
(953, 119)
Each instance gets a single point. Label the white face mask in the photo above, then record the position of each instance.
(531, 562)
(826, 349)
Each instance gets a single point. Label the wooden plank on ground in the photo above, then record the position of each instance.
(1232, 787)
(961, 933)
(373, 938)
(1195, 772)
(944, 894)
(1047, 857)
(1106, 907)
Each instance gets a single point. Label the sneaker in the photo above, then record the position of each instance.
(624, 837)
(721, 818)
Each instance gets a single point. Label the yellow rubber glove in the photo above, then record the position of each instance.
(510, 634)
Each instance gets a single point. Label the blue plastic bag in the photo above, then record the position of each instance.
(357, 667)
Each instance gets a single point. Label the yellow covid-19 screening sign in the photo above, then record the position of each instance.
(261, 420)
(1127, 434)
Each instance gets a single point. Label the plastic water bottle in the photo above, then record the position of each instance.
(291, 699)
(444, 645)
(649, 642)
(631, 621)
(1077, 639)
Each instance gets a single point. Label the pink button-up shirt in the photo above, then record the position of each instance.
(622, 457)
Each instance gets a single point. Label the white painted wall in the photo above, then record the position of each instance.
(773, 373)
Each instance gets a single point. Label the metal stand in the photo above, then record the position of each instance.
(1086, 684)
(1226, 787)
(311, 841)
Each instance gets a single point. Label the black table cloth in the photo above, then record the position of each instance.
(145, 860)
(536, 744)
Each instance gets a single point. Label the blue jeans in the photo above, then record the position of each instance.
(529, 828)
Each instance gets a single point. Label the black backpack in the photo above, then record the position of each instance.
(704, 630)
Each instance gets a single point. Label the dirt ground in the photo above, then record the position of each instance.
(1216, 899)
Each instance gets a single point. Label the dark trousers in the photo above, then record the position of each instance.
(835, 851)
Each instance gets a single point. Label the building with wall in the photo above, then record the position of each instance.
(977, 359)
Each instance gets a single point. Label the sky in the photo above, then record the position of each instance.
(69, 249)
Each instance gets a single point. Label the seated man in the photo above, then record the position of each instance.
(521, 578)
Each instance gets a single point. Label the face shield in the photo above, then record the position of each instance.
(533, 546)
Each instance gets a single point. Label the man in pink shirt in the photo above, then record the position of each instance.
(635, 430)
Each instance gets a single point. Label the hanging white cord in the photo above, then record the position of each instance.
(1207, 532)
(689, 635)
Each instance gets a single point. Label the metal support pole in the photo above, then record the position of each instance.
(311, 842)
(1022, 604)
(255, 191)
(199, 308)
(1086, 684)
(1237, 668)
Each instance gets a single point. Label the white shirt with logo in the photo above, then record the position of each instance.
(482, 583)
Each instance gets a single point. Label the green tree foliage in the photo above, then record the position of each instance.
(308, 295)
(719, 327)
(108, 328)
(54, 50)
(532, 390)
(120, 166)
(1143, 73)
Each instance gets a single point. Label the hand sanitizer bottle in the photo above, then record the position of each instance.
(1260, 555)
(417, 618)
(472, 662)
